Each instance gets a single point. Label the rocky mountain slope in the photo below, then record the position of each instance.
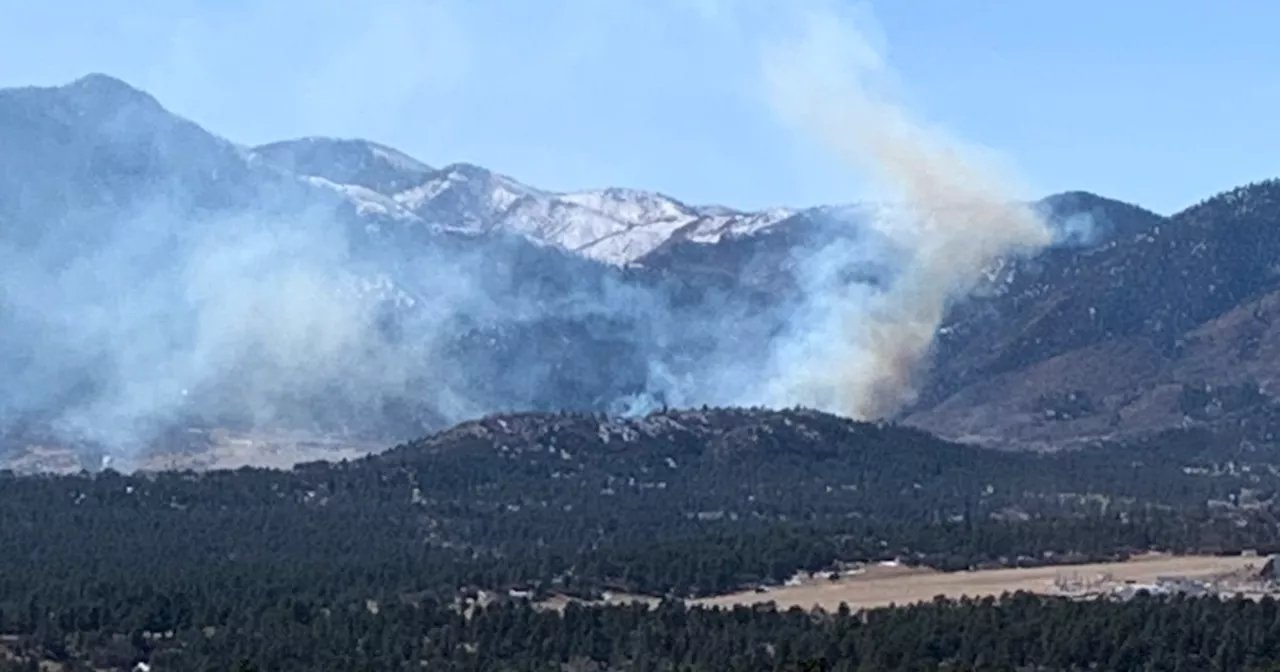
(156, 275)
(1166, 324)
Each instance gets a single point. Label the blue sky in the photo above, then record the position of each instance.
(1161, 103)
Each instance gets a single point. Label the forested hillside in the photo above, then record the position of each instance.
(677, 504)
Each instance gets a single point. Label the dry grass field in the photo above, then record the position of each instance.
(203, 450)
(878, 586)
(262, 449)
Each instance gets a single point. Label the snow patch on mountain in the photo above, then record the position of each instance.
(613, 225)
(365, 200)
(466, 198)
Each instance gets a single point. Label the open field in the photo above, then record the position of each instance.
(878, 586)
(197, 449)
(273, 450)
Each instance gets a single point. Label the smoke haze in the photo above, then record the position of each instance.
(156, 277)
(955, 215)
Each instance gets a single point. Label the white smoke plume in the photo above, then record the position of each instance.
(955, 214)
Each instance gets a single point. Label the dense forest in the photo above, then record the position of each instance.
(298, 631)
(359, 565)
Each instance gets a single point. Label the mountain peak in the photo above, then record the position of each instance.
(1081, 200)
(102, 81)
(362, 163)
(99, 89)
(468, 170)
(1082, 217)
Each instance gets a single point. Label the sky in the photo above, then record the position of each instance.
(1159, 103)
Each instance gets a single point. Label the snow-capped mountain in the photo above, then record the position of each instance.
(112, 120)
(153, 272)
(613, 225)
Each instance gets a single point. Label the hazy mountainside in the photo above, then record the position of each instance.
(159, 276)
(154, 275)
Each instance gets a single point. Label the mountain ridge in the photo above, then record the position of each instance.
(616, 225)
(613, 224)
(496, 296)
(413, 183)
